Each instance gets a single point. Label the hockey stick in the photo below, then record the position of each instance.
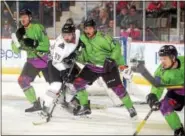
(62, 89)
(140, 126)
(56, 99)
(140, 68)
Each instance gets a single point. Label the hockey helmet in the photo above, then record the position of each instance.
(68, 28)
(168, 50)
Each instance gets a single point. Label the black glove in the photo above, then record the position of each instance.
(68, 60)
(109, 64)
(153, 101)
(20, 33)
(30, 42)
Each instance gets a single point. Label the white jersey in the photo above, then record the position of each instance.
(60, 50)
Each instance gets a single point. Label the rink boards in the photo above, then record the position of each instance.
(147, 51)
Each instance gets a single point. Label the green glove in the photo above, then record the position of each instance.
(15, 49)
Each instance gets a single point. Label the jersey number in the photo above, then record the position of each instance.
(57, 56)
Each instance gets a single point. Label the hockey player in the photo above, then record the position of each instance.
(62, 51)
(101, 56)
(170, 72)
(32, 38)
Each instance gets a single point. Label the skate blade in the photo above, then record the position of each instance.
(41, 119)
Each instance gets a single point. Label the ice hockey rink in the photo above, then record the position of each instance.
(107, 121)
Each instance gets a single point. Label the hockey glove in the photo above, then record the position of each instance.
(30, 42)
(153, 101)
(68, 60)
(20, 33)
(109, 64)
(127, 73)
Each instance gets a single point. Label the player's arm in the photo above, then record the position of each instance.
(15, 49)
(156, 92)
(17, 39)
(43, 40)
(81, 55)
(115, 49)
(116, 52)
(15, 44)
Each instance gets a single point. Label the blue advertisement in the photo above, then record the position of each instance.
(9, 54)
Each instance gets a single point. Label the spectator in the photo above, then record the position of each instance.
(110, 27)
(123, 18)
(6, 30)
(110, 9)
(120, 5)
(48, 13)
(93, 14)
(103, 21)
(47, 3)
(150, 35)
(6, 15)
(135, 17)
(97, 12)
(132, 32)
(65, 5)
(155, 6)
(182, 4)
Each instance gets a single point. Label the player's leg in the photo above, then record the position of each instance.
(113, 81)
(45, 72)
(54, 86)
(171, 103)
(85, 77)
(28, 75)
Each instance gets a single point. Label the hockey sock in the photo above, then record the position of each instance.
(82, 96)
(173, 120)
(127, 101)
(30, 94)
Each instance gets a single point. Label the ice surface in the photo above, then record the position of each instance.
(110, 121)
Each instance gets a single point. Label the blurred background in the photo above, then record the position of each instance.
(142, 20)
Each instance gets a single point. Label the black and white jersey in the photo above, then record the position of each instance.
(61, 49)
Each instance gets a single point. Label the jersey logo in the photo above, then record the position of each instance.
(62, 45)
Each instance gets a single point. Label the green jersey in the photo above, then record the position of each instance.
(169, 77)
(37, 32)
(99, 48)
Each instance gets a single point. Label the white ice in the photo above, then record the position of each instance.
(109, 121)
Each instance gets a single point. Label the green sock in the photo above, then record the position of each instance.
(173, 120)
(30, 94)
(127, 101)
(82, 96)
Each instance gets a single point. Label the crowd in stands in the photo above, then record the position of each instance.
(128, 17)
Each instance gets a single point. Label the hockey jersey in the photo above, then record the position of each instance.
(61, 50)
